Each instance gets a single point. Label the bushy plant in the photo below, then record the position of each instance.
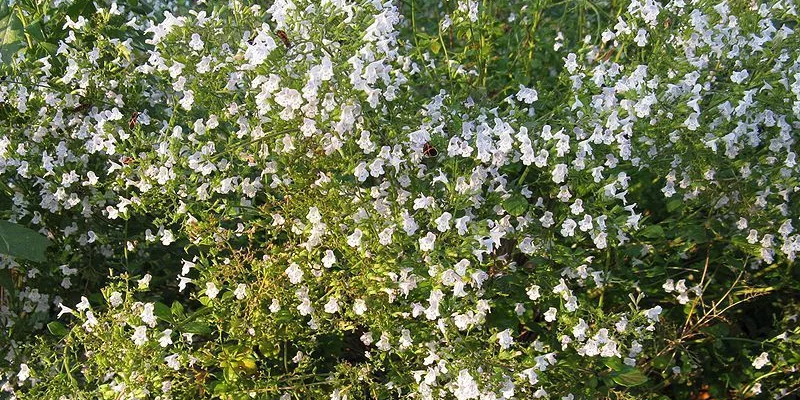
(384, 200)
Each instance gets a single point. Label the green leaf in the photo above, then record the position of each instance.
(653, 232)
(435, 47)
(695, 233)
(220, 387)
(35, 30)
(661, 362)
(674, 204)
(503, 318)
(230, 374)
(81, 7)
(57, 329)
(196, 327)
(615, 364)
(177, 310)
(49, 48)
(6, 280)
(717, 331)
(163, 312)
(629, 378)
(11, 36)
(516, 205)
(21, 242)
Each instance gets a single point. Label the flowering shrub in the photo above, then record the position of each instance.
(366, 200)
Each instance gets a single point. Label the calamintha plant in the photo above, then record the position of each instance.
(404, 199)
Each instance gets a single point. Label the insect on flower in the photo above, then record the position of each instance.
(285, 39)
(429, 151)
(81, 107)
(133, 120)
(126, 160)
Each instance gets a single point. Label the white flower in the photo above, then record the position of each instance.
(354, 240)
(64, 310)
(559, 173)
(83, 305)
(139, 336)
(739, 76)
(294, 273)
(443, 222)
(173, 362)
(211, 290)
(550, 315)
(305, 307)
(361, 171)
(187, 266)
(289, 98)
(641, 38)
(275, 306)
(505, 339)
(115, 299)
(586, 223)
(241, 291)
(571, 63)
(423, 202)
(196, 43)
(332, 306)
(383, 344)
(527, 95)
(507, 391)
(147, 315)
(579, 330)
(692, 122)
(530, 374)
(167, 237)
(262, 46)
(187, 100)
(761, 360)
(144, 283)
(465, 387)
(621, 325)
(366, 338)
(182, 281)
(426, 243)
(653, 313)
(533, 292)
(405, 339)
(568, 227)
(329, 259)
(24, 373)
(359, 307)
(165, 339)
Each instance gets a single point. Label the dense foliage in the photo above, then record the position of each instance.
(430, 200)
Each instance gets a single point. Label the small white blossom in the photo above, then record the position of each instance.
(550, 314)
(359, 307)
(465, 386)
(527, 95)
(294, 273)
(760, 361)
(139, 336)
(211, 290)
(426, 243)
(505, 339)
(24, 373)
(241, 291)
(332, 306)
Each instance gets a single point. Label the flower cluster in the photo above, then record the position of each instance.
(320, 199)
